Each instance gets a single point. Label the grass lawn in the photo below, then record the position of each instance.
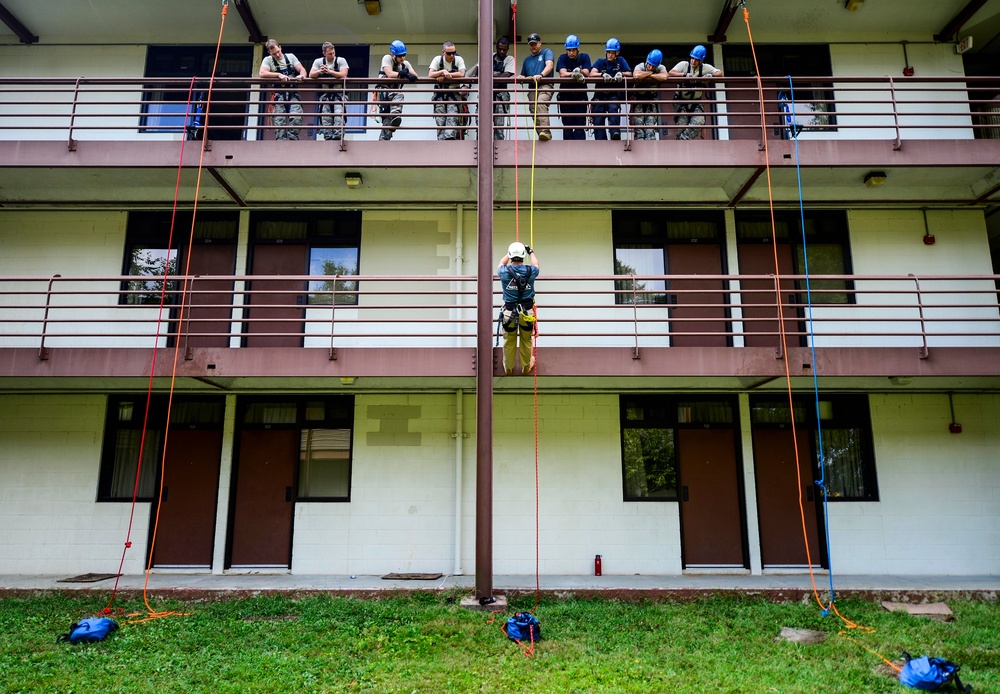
(425, 642)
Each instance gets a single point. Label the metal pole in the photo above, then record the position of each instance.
(484, 311)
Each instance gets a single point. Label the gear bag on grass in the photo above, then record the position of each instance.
(930, 674)
(524, 626)
(90, 629)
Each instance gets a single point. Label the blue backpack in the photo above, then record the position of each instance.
(91, 629)
(524, 626)
(930, 674)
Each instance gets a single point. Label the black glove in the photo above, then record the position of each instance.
(527, 249)
(408, 75)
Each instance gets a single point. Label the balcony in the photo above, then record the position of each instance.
(609, 332)
(110, 143)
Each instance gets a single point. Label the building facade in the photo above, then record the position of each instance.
(273, 346)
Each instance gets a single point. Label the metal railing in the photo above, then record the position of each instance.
(824, 107)
(635, 311)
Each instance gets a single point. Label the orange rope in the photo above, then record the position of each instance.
(788, 378)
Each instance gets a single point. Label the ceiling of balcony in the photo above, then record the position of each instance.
(430, 21)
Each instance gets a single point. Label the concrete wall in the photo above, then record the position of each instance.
(50, 455)
(939, 493)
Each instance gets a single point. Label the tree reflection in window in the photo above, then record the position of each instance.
(650, 463)
(639, 260)
(151, 263)
(333, 262)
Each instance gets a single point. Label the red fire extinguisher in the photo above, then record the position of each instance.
(597, 564)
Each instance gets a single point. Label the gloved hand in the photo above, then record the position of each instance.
(497, 73)
(410, 76)
(527, 249)
(619, 77)
(607, 77)
(577, 75)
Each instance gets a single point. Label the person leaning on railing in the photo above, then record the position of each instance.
(447, 70)
(503, 66)
(332, 70)
(286, 68)
(395, 68)
(539, 63)
(645, 107)
(687, 99)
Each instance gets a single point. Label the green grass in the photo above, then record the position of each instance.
(426, 643)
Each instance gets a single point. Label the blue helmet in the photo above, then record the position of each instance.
(699, 52)
(655, 57)
(397, 47)
(572, 41)
(613, 45)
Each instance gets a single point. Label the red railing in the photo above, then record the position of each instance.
(838, 107)
(636, 311)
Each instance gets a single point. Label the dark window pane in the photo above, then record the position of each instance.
(844, 460)
(650, 464)
(127, 444)
(271, 413)
(824, 259)
(325, 463)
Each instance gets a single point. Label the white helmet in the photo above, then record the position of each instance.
(516, 251)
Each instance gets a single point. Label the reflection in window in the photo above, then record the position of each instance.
(325, 464)
(844, 460)
(640, 260)
(333, 262)
(650, 464)
(150, 263)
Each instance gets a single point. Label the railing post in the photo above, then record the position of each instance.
(924, 353)
(333, 310)
(898, 142)
(43, 351)
(779, 351)
(635, 319)
(188, 356)
(71, 144)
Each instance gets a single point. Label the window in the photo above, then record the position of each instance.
(123, 441)
(325, 427)
(650, 440)
(847, 453)
(150, 252)
(329, 245)
(827, 248)
(643, 242)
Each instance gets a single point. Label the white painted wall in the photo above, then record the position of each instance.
(50, 456)
(51, 106)
(928, 111)
(939, 493)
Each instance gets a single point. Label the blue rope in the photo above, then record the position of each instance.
(821, 482)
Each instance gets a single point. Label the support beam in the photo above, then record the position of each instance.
(951, 29)
(15, 25)
(728, 12)
(220, 179)
(484, 317)
(250, 22)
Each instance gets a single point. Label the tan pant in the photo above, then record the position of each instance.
(544, 97)
(519, 340)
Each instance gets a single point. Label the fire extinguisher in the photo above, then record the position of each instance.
(597, 564)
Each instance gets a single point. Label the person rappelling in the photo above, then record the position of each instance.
(518, 314)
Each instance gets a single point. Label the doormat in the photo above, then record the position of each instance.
(87, 578)
(412, 577)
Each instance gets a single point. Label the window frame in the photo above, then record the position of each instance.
(845, 412)
(338, 413)
(673, 411)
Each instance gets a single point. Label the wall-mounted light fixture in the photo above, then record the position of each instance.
(353, 179)
(372, 7)
(900, 380)
(348, 380)
(874, 179)
(853, 5)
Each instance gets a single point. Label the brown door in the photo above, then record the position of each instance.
(705, 301)
(185, 533)
(711, 520)
(743, 110)
(210, 312)
(781, 536)
(283, 306)
(760, 311)
(263, 502)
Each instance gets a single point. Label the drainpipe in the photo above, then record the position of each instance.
(459, 414)
(459, 443)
